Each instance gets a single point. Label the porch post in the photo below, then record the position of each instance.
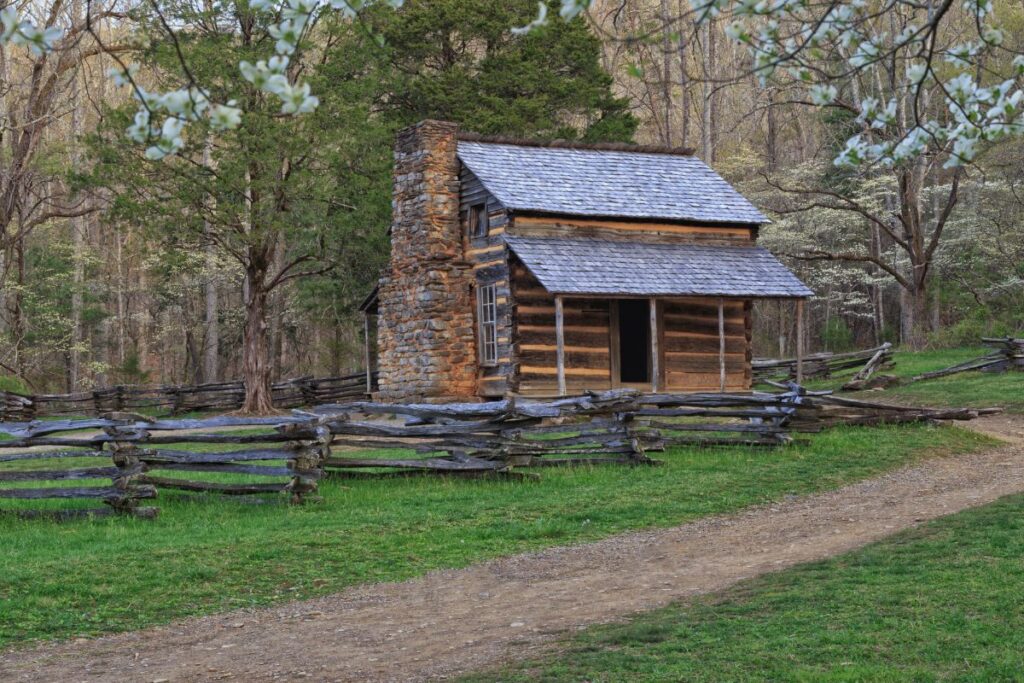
(560, 344)
(800, 341)
(366, 352)
(721, 345)
(655, 370)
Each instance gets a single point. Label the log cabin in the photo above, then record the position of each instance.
(532, 269)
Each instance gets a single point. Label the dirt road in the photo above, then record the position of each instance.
(455, 621)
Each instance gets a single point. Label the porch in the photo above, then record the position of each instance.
(597, 314)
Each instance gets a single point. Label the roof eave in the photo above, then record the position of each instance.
(540, 213)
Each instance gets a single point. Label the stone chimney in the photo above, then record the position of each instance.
(426, 341)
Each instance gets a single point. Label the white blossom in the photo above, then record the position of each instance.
(225, 116)
(822, 95)
(916, 72)
(541, 20)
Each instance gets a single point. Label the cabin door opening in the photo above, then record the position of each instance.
(634, 330)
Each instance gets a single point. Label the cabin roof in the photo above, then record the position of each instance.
(606, 182)
(585, 265)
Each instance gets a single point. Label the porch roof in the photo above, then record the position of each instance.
(594, 266)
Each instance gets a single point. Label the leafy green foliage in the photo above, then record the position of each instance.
(457, 60)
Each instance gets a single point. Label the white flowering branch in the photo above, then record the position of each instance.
(162, 117)
(822, 46)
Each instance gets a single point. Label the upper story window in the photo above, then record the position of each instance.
(479, 223)
(487, 317)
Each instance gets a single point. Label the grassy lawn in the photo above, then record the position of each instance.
(209, 555)
(971, 389)
(966, 389)
(944, 602)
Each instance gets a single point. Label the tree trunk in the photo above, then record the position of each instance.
(772, 133)
(877, 310)
(211, 318)
(914, 317)
(256, 365)
(17, 312)
(709, 113)
(666, 75)
(684, 83)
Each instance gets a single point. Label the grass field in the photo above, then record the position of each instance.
(971, 389)
(209, 555)
(944, 602)
(966, 389)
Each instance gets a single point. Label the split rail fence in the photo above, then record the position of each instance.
(175, 400)
(1007, 354)
(239, 456)
(824, 365)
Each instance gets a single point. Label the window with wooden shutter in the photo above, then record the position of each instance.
(479, 223)
(487, 315)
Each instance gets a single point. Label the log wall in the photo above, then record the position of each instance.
(635, 230)
(489, 258)
(587, 336)
(688, 342)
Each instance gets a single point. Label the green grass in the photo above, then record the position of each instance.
(205, 556)
(944, 602)
(966, 389)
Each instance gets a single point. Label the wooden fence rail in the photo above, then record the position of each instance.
(175, 400)
(290, 454)
(1007, 354)
(824, 365)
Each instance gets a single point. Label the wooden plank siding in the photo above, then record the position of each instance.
(587, 333)
(691, 344)
(489, 258)
(555, 226)
(687, 329)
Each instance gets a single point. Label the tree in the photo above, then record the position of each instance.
(267, 194)
(40, 69)
(457, 60)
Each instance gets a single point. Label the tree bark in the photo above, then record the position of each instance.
(666, 75)
(772, 133)
(709, 113)
(77, 224)
(211, 317)
(256, 364)
(684, 82)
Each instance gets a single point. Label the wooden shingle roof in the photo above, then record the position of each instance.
(607, 183)
(586, 265)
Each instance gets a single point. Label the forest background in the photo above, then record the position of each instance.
(116, 268)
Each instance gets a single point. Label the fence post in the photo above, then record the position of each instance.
(125, 456)
(175, 400)
(308, 464)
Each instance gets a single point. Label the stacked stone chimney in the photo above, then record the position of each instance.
(426, 341)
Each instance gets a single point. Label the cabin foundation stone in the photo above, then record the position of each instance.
(426, 342)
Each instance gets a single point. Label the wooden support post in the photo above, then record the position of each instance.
(655, 369)
(614, 348)
(366, 352)
(560, 343)
(800, 341)
(721, 345)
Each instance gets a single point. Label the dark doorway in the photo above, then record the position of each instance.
(634, 340)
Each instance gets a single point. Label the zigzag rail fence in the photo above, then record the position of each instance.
(825, 364)
(1007, 354)
(289, 455)
(178, 399)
